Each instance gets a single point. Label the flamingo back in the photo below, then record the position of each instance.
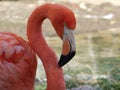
(17, 63)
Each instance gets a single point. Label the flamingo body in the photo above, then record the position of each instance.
(17, 63)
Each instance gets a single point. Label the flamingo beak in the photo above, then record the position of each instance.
(69, 47)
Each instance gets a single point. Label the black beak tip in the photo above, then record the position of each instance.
(66, 58)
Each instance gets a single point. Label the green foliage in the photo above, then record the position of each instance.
(107, 84)
(107, 64)
(73, 83)
(40, 87)
(101, 44)
(97, 39)
(112, 83)
(115, 74)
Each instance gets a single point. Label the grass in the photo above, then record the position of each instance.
(40, 87)
(106, 64)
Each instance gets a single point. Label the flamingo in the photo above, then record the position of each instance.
(17, 57)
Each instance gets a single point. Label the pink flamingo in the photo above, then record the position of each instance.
(17, 60)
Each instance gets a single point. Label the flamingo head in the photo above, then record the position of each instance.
(64, 22)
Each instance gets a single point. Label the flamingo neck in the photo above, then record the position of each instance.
(54, 74)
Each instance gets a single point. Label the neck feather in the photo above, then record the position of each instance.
(54, 74)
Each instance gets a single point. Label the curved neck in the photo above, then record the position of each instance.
(54, 74)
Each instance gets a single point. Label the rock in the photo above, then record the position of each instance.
(83, 87)
(68, 77)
